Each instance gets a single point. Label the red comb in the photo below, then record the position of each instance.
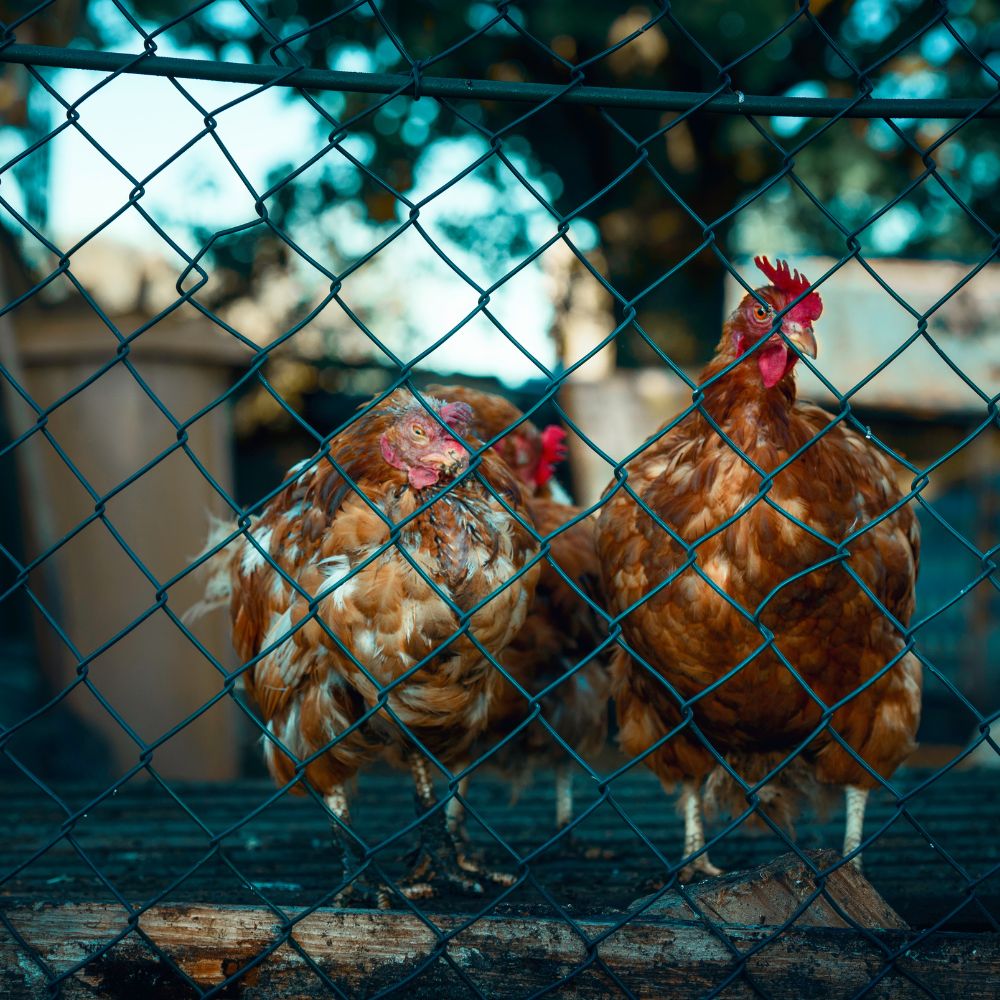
(554, 443)
(456, 413)
(792, 283)
(554, 450)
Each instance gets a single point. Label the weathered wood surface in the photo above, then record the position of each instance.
(774, 894)
(142, 841)
(364, 952)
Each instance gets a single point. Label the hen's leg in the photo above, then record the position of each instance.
(439, 860)
(455, 812)
(855, 800)
(694, 835)
(360, 886)
(568, 845)
(564, 795)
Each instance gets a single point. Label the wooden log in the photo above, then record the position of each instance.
(772, 894)
(366, 951)
(504, 957)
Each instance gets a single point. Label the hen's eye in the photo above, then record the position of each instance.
(417, 431)
(761, 312)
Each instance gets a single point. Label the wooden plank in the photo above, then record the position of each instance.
(504, 957)
(773, 894)
(70, 335)
(142, 840)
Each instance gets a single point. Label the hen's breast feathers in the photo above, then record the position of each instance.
(694, 481)
(823, 621)
(351, 592)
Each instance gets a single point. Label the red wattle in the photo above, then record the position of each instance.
(772, 359)
(421, 477)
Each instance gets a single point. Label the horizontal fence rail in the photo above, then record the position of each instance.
(573, 92)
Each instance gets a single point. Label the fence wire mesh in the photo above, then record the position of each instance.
(322, 609)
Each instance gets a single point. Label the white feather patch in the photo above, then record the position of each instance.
(366, 648)
(252, 557)
(334, 569)
(268, 747)
(282, 656)
(290, 733)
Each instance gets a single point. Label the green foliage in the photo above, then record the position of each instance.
(694, 172)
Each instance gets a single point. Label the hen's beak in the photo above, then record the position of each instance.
(450, 460)
(801, 336)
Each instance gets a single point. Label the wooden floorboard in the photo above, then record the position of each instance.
(142, 842)
(215, 863)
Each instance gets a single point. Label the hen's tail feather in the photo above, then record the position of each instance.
(783, 798)
(216, 571)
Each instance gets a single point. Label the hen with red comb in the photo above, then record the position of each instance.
(765, 530)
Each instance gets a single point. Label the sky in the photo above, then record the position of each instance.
(142, 121)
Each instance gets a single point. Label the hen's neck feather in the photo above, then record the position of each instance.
(743, 407)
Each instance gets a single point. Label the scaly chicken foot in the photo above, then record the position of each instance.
(855, 800)
(694, 836)
(360, 888)
(569, 845)
(440, 860)
(694, 841)
(455, 812)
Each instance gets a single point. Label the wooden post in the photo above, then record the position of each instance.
(618, 413)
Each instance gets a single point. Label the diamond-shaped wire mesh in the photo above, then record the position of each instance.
(343, 207)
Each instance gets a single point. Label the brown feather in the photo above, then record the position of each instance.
(560, 630)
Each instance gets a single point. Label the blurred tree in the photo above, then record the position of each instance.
(693, 174)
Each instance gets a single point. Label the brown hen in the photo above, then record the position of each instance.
(334, 637)
(779, 577)
(561, 629)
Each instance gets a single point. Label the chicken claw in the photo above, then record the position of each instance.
(440, 863)
(701, 866)
(694, 837)
(359, 887)
(440, 859)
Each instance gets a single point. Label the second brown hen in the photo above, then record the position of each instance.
(763, 562)
(561, 628)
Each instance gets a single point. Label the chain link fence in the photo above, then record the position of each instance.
(526, 924)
